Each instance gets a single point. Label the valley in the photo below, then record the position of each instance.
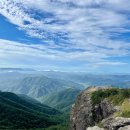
(43, 100)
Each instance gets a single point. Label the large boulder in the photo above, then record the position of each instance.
(84, 114)
(94, 128)
(118, 123)
(125, 128)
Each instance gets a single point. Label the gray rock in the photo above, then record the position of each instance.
(81, 114)
(94, 128)
(84, 114)
(107, 108)
(125, 128)
(118, 123)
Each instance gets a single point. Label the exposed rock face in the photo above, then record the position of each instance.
(94, 128)
(102, 110)
(125, 128)
(81, 115)
(118, 123)
(84, 114)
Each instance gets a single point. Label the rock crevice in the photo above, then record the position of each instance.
(85, 115)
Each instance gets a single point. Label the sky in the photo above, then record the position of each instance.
(66, 35)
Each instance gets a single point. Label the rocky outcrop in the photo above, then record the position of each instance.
(118, 123)
(94, 128)
(85, 115)
(81, 115)
(125, 128)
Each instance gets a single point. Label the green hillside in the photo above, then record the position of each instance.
(18, 113)
(62, 100)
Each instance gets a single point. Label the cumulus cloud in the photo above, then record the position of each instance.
(84, 30)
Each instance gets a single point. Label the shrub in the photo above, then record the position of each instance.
(115, 95)
(100, 95)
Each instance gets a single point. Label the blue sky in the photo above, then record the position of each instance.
(66, 35)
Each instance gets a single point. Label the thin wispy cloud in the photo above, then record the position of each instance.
(69, 30)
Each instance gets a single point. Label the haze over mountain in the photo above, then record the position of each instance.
(88, 79)
(15, 69)
(32, 85)
(57, 89)
(41, 83)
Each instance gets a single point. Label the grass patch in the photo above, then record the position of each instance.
(115, 95)
(124, 109)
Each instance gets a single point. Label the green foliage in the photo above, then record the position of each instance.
(119, 98)
(61, 100)
(124, 109)
(116, 95)
(18, 113)
(58, 127)
(99, 95)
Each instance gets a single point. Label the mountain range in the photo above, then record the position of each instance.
(56, 89)
(40, 99)
(35, 86)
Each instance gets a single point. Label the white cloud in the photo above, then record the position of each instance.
(88, 25)
(11, 49)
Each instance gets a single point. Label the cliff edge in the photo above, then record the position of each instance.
(101, 108)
